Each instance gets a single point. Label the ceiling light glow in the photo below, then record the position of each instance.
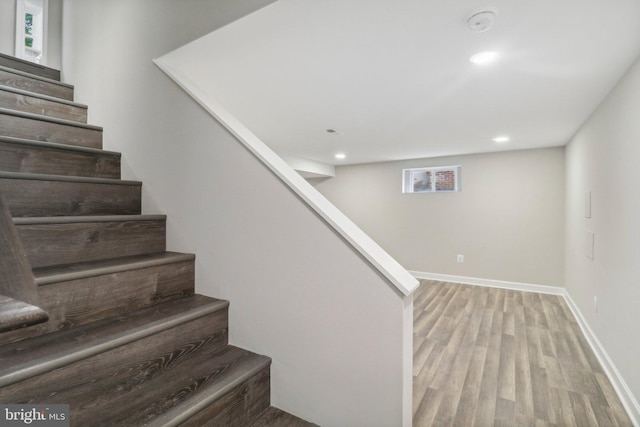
(501, 139)
(483, 58)
(340, 156)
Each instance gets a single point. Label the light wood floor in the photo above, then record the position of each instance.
(495, 357)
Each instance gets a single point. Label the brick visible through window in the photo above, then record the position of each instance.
(431, 180)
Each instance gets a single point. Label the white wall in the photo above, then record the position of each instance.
(333, 326)
(7, 27)
(54, 35)
(603, 159)
(508, 220)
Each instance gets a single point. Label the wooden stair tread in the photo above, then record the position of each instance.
(29, 67)
(84, 219)
(37, 195)
(61, 273)
(39, 157)
(274, 417)
(57, 146)
(66, 178)
(16, 314)
(36, 103)
(33, 83)
(42, 96)
(34, 76)
(25, 359)
(58, 240)
(20, 124)
(43, 118)
(238, 367)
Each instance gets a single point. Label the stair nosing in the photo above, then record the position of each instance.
(44, 364)
(35, 76)
(196, 403)
(43, 280)
(54, 120)
(85, 219)
(67, 178)
(42, 96)
(57, 146)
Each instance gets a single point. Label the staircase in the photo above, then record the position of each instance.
(126, 341)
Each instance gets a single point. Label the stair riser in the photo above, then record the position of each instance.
(238, 408)
(29, 67)
(57, 244)
(96, 380)
(40, 130)
(43, 160)
(202, 378)
(42, 87)
(45, 107)
(77, 302)
(34, 198)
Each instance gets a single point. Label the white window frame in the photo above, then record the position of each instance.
(410, 179)
(37, 52)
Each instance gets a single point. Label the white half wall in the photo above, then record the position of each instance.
(507, 222)
(602, 171)
(339, 332)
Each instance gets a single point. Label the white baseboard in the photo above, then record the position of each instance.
(629, 401)
(542, 289)
(627, 398)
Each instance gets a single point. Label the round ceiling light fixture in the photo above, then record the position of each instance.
(481, 21)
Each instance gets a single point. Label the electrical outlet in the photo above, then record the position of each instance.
(460, 258)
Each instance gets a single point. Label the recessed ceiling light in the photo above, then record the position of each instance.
(483, 58)
(340, 156)
(501, 139)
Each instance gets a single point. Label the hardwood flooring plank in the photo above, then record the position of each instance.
(536, 357)
(509, 323)
(485, 328)
(425, 412)
(454, 381)
(275, 417)
(471, 388)
(541, 406)
(584, 417)
(524, 391)
(505, 413)
(422, 354)
(485, 410)
(612, 400)
(507, 373)
(499, 357)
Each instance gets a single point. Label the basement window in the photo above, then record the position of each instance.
(431, 180)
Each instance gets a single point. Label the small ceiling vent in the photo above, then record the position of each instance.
(481, 21)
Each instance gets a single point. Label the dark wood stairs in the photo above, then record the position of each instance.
(127, 342)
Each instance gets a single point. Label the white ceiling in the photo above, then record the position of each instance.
(393, 77)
